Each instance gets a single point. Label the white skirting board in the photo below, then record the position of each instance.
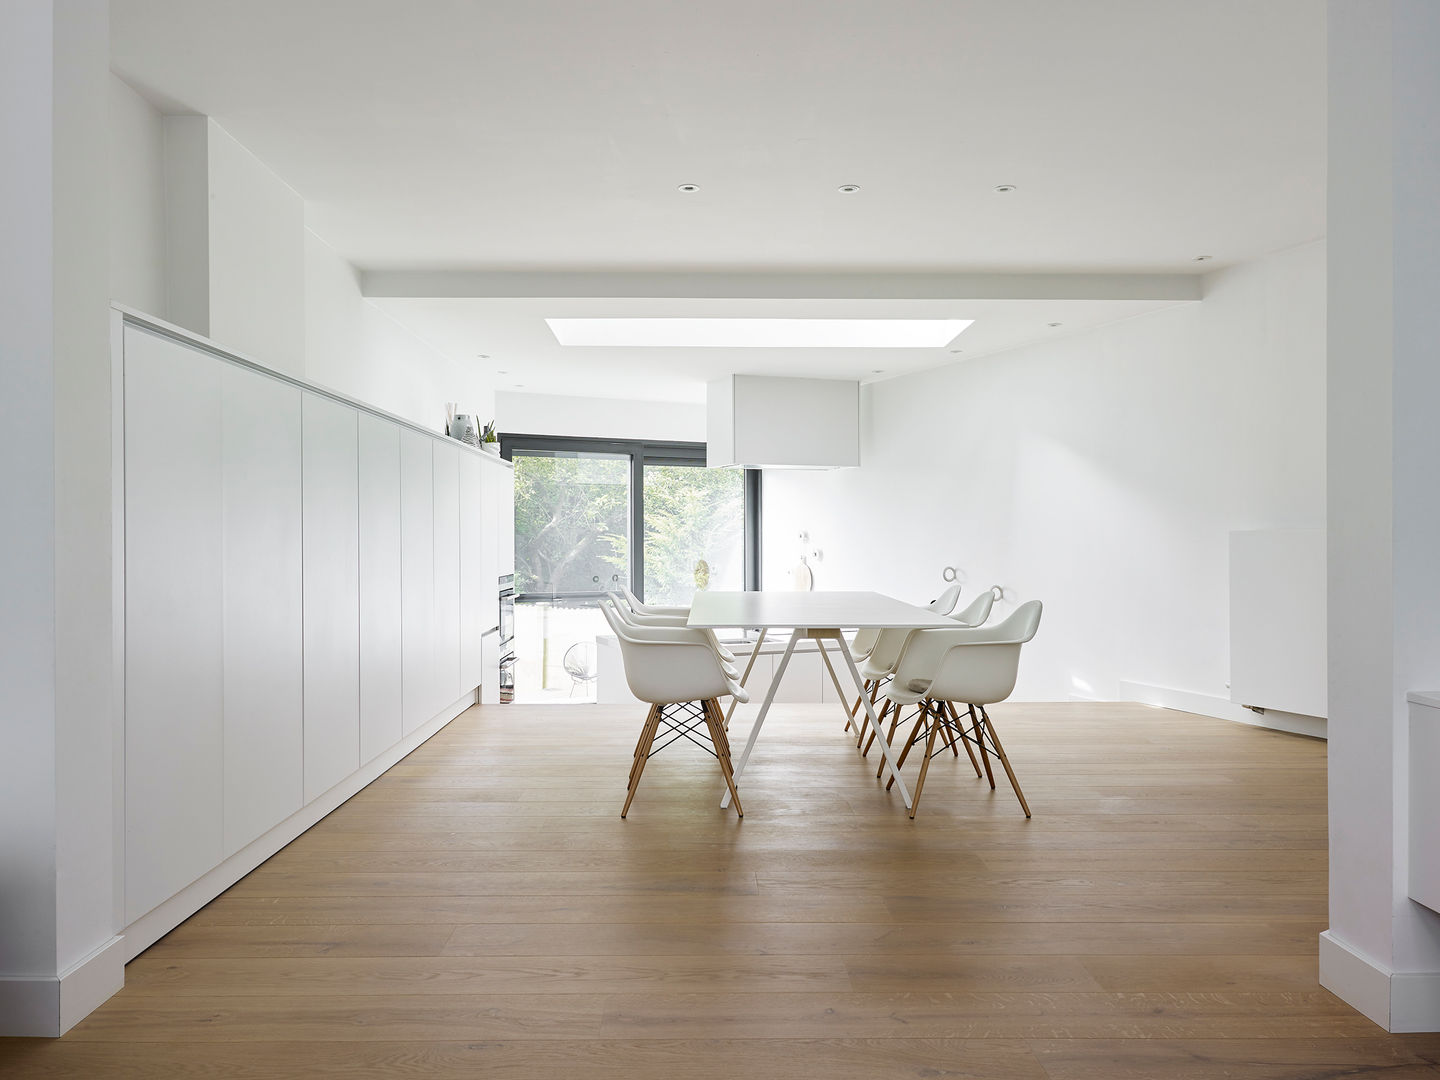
(156, 923)
(1399, 1001)
(1222, 708)
(49, 1006)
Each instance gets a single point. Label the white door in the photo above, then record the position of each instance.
(174, 653)
(332, 593)
(417, 578)
(380, 618)
(264, 625)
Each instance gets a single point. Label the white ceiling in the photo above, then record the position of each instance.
(551, 135)
(516, 342)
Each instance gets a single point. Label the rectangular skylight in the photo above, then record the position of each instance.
(759, 333)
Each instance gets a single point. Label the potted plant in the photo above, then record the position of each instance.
(489, 440)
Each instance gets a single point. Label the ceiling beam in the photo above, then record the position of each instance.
(432, 284)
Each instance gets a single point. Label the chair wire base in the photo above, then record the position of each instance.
(684, 720)
(937, 718)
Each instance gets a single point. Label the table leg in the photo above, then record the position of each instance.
(739, 766)
(743, 678)
(885, 753)
(820, 644)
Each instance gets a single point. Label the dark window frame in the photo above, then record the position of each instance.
(642, 452)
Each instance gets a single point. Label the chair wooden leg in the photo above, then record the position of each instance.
(979, 731)
(641, 742)
(862, 718)
(856, 707)
(914, 733)
(936, 720)
(715, 720)
(960, 737)
(879, 718)
(642, 755)
(1005, 761)
(947, 737)
(890, 738)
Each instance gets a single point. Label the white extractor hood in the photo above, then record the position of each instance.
(761, 422)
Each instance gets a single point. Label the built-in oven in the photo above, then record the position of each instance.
(507, 678)
(507, 638)
(507, 613)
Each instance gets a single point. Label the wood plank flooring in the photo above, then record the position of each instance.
(481, 910)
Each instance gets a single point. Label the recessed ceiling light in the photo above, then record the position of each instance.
(519, 386)
(689, 189)
(759, 333)
(1054, 324)
(848, 189)
(1203, 258)
(877, 371)
(1004, 189)
(502, 373)
(956, 352)
(483, 356)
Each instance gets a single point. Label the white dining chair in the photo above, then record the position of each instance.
(642, 620)
(864, 643)
(640, 607)
(681, 676)
(974, 614)
(975, 667)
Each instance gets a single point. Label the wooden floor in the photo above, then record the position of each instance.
(481, 910)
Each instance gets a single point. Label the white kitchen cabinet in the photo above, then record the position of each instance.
(174, 650)
(332, 593)
(308, 584)
(476, 594)
(417, 579)
(446, 454)
(380, 618)
(505, 524)
(492, 486)
(263, 612)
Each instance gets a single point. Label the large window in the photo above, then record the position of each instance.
(593, 515)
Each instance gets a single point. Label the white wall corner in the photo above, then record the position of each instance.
(1404, 1002)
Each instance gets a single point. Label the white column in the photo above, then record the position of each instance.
(57, 817)
(1382, 950)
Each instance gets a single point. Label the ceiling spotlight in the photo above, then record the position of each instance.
(502, 373)
(956, 352)
(877, 371)
(1052, 325)
(689, 189)
(1203, 258)
(1004, 189)
(482, 356)
(848, 189)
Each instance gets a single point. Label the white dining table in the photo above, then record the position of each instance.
(820, 616)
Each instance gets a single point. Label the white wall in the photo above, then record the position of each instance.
(1102, 474)
(235, 246)
(137, 201)
(1384, 504)
(607, 418)
(56, 720)
(207, 236)
(257, 257)
(27, 438)
(354, 347)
